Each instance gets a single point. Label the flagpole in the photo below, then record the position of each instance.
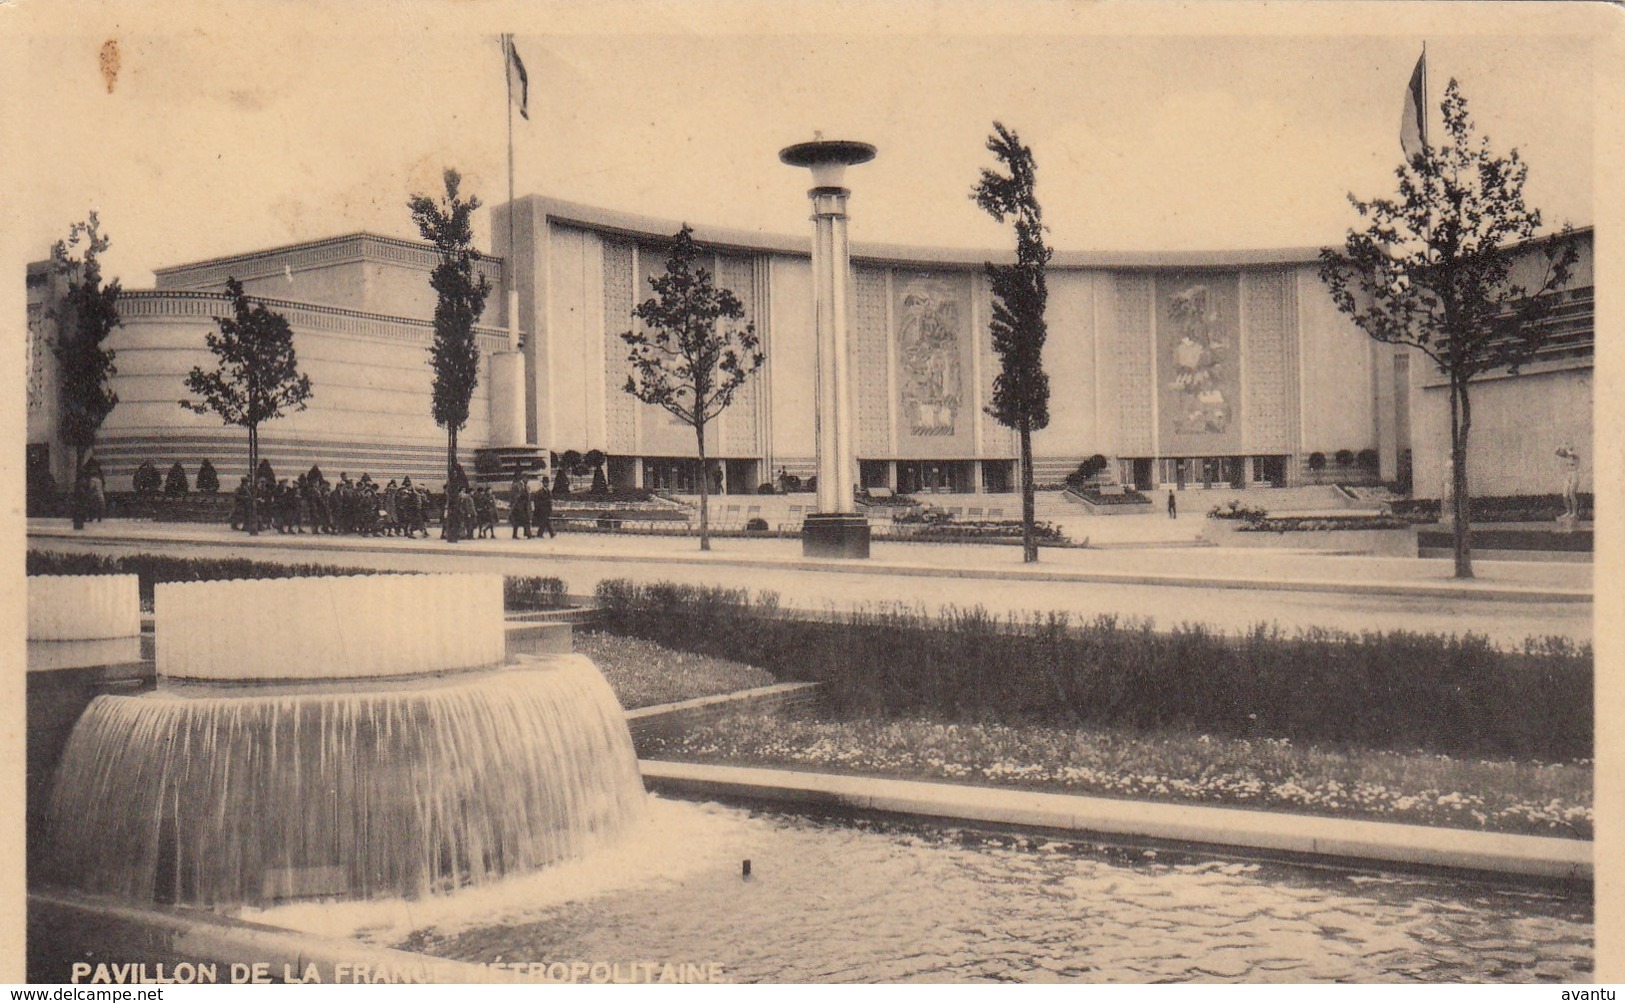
(513, 209)
(1421, 111)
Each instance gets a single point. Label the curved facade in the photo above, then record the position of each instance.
(1189, 369)
(361, 311)
(1224, 368)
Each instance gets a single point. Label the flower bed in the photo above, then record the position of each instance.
(1502, 796)
(1398, 690)
(644, 674)
(1095, 496)
(949, 530)
(1320, 523)
(890, 501)
(1234, 510)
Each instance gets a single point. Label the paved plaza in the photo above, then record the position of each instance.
(1164, 580)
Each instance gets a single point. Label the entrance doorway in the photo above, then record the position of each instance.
(1142, 474)
(742, 477)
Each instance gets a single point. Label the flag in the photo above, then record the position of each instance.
(1413, 123)
(518, 81)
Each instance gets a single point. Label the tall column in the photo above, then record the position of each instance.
(831, 268)
(836, 529)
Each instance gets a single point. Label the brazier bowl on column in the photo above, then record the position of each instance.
(836, 529)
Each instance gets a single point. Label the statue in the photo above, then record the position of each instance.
(1571, 487)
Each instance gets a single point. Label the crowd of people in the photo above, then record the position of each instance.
(365, 508)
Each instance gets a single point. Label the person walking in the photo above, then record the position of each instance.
(239, 505)
(451, 519)
(519, 506)
(1173, 506)
(542, 512)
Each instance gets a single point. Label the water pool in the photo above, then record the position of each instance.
(843, 899)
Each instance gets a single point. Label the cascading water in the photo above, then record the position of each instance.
(215, 795)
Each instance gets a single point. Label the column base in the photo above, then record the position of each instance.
(835, 534)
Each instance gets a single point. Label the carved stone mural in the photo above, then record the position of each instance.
(1198, 364)
(38, 348)
(931, 317)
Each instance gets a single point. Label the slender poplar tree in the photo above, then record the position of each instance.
(1021, 388)
(454, 355)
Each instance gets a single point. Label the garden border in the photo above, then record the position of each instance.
(1312, 837)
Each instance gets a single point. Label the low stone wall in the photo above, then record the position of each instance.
(664, 720)
(539, 638)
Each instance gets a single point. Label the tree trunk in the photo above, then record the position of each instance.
(451, 455)
(1029, 541)
(253, 480)
(1461, 508)
(705, 485)
(76, 491)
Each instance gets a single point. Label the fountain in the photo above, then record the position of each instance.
(81, 620)
(340, 737)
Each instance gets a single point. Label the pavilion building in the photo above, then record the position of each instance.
(1229, 369)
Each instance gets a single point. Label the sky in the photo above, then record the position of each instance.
(222, 135)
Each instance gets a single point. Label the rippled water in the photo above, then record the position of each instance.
(844, 900)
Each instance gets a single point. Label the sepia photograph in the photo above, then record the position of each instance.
(811, 493)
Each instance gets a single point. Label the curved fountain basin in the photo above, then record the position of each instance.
(338, 627)
(215, 795)
(83, 607)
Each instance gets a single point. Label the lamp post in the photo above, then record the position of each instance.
(836, 529)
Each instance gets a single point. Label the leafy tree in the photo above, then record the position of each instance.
(175, 484)
(454, 355)
(86, 316)
(692, 356)
(256, 379)
(208, 480)
(1434, 270)
(1021, 389)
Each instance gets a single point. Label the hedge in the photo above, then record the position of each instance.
(1498, 508)
(519, 591)
(534, 592)
(1398, 690)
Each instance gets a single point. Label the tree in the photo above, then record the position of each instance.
(692, 356)
(454, 354)
(208, 481)
(175, 485)
(86, 316)
(595, 460)
(1021, 388)
(146, 480)
(1437, 269)
(256, 379)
